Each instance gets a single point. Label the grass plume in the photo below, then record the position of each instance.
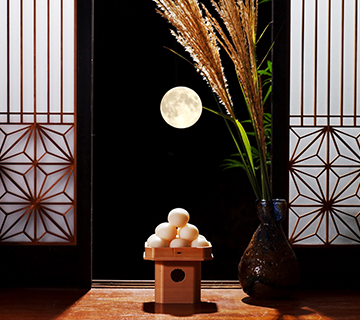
(201, 34)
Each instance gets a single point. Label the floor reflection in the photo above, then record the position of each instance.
(180, 309)
(293, 308)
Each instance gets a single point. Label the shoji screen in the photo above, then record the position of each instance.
(38, 121)
(324, 133)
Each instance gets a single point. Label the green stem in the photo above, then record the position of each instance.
(243, 150)
(250, 173)
(219, 114)
(264, 176)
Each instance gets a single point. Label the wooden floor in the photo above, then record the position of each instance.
(138, 304)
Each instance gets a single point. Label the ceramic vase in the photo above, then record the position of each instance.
(269, 268)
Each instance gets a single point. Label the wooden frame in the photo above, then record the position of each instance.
(322, 266)
(54, 265)
(38, 123)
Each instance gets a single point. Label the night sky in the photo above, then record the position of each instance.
(143, 168)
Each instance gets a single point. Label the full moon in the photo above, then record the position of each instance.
(181, 107)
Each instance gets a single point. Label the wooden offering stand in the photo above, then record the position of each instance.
(178, 273)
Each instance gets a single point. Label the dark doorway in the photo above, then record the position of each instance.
(143, 168)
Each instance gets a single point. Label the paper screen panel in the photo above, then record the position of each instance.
(37, 122)
(324, 134)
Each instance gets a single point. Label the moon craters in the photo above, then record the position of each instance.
(181, 107)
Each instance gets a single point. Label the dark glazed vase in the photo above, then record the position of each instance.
(269, 268)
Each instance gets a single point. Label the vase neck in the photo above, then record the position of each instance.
(271, 211)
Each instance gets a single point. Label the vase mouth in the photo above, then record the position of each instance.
(273, 200)
(271, 210)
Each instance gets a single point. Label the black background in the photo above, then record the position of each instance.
(143, 168)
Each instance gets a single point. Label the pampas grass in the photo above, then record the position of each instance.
(198, 38)
(202, 36)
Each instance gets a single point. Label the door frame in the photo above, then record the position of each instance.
(323, 267)
(56, 265)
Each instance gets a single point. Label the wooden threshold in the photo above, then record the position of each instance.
(150, 284)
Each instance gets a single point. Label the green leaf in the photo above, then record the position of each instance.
(269, 63)
(267, 116)
(232, 163)
(263, 30)
(255, 151)
(267, 94)
(246, 142)
(264, 73)
(266, 82)
(226, 117)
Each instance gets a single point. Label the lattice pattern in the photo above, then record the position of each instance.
(324, 159)
(37, 183)
(325, 196)
(37, 121)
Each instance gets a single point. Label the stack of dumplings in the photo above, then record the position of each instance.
(177, 232)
